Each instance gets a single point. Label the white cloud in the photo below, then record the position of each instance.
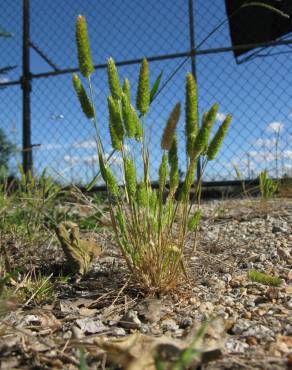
(287, 166)
(275, 127)
(287, 154)
(71, 159)
(4, 80)
(220, 116)
(57, 117)
(50, 146)
(265, 143)
(93, 159)
(86, 144)
(259, 156)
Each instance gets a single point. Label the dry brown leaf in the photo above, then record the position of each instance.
(137, 351)
(282, 346)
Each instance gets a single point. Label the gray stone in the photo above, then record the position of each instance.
(279, 229)
(169, 325)
(241, 326)
(130, 320)
(185, 322)
(91, 326)
(118, 332)
(234, 345)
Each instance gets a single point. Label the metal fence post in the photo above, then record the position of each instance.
(193, 58)
(26, 89)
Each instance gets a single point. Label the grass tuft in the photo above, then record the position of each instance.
(260, 277)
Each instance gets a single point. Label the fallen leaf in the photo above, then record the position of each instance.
(137, 351)
(90, 326)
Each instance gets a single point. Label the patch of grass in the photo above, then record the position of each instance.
(37, 289)
(266, 279)
(22, 213)
(268, 187)
(147, 230)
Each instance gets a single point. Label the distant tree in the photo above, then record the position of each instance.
(6, 149)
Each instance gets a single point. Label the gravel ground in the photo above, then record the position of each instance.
(250, 323)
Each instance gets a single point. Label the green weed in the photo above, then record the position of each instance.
(260, 277)
(268, 187)
(147, 230)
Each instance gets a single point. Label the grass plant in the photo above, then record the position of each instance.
(260, 277)
(23, 211)
(147, 230)
(268, 187)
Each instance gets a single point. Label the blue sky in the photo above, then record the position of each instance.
(257, 93)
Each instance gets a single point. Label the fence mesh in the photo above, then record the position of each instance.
(256, 90)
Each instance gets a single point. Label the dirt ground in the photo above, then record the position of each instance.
(250, 324)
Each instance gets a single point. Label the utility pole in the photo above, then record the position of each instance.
(26, 90)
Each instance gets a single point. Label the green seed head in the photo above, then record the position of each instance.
(201, 142)
(121, 221)
(128, 117)
(84, 101)
(115, 123)
(169, 130)
(153, 201)
(83, 47)
(189, 179)
(113, 79)
(143, 92)
(130, 177)
(126, 89)
(194, 220)
(191, 112)
(217, 140)
(141, 196)
(163, 172)
(102, 167)
(173, 162)
(138, 126)
(111, 183)
(116, 142)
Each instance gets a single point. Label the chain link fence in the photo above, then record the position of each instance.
(177, 37)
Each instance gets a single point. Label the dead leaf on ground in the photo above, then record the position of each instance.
(137, 351)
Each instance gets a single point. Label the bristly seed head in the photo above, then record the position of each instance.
(169, 130)
(84, 101)
(115, 123)
(191, 112)
(143, 92)
(83, 47)
(163, 172)
(126, 89)
(128, 117)
(130, 177)
(142, 196)
(138, 126)
(201, 142)
(173, 162)
(113, 79)
(217, 140)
